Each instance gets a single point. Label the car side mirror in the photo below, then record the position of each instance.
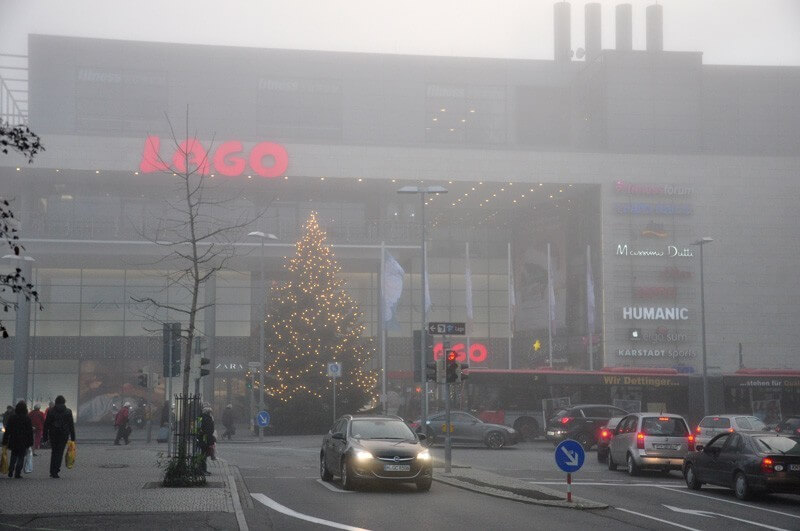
(422, 436)
(339, 436)
(699, 447)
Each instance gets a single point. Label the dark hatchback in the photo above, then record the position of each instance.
(376, 448)
(581, 423)
(749, 463)
(789, 426)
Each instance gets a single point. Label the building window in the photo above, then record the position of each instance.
(299, 109)
(465, 114)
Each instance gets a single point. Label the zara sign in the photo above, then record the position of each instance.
(266, 159)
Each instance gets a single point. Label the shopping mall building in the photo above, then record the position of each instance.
(623, 160)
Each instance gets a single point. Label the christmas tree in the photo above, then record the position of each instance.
(312, 321)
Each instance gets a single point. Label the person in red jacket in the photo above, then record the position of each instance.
(37, 419)
(121, 423)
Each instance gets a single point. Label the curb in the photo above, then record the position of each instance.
(237, 503)
(497, 490)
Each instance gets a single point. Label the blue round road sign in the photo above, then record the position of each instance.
(262, 419)
(570, 456)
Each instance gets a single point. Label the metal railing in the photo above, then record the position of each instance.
(14, 89)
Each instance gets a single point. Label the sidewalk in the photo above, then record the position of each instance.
(105, 433)
(109, 485)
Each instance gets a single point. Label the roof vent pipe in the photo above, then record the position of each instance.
(624, 24)
(561, 21)
(655, 28)
(593, 33)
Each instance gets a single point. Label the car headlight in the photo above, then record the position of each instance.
(363, 455)
(424, 455)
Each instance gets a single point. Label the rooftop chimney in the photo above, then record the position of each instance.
(592, 30)
(655, 28)
(624, 27)
(561, 20)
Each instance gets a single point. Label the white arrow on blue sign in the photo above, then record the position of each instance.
(334, 369)
(262, 419)
(570, 456)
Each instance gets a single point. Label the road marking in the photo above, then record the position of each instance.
(731, 501)
(332, 487)
(272, 504)
(598, 484)
(710, 514)
(657, 519)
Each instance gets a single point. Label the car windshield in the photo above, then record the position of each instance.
(793, 422)
(380, 429)
(715, 423)
(757, 424)
(666, 426)
(784, 445)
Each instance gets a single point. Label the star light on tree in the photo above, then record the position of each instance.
(313, 321)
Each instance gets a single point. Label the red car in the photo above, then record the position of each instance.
(604, 435)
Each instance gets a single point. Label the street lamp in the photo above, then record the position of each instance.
(261, 311)
(422, 190)
(22, 330)
(700, 243)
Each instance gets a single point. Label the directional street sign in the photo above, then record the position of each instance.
(262, 419)
(570, 456)
(334, 369)
(447, 329)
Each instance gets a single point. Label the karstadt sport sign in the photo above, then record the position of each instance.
(265, 159)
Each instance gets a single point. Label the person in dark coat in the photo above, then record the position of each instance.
(228, 422)
(7, 415)
(59, 426)
(18, 437)
(205, 437)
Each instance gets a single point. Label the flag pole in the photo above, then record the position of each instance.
(549, 311)
(589, 304)
(469, 301)
(510, 321)
(381, 324)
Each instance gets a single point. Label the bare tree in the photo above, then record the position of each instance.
(21, 139)
(196, 242)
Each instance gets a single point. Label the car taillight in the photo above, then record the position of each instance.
(730, 430)
(604, 434)
(640, 441)
(414, 425)
(691, 443)
(566, 420)
(699, 430)
(797, 430)
(767, 466)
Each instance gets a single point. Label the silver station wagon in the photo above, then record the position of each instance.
(650, 440)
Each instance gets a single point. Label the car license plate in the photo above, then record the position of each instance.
(397, 468)
(794, 468)
(665, 446)
(550, 432)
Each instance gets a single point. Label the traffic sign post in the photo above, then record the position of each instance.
(569, 458)
(334, 371)
(262, 419)
(447, 329)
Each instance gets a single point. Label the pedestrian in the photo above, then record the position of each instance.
(37, 419)
(7, 414)
(18, 437)
(165, 413)
(205, 437)
(229, 422)
(59, 426)
(49, 406)
(121, 423)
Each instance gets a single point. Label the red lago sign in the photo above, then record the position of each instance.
(267, 159)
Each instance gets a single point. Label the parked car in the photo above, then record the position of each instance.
(467, 429)
(362, 449)
(650, 440)
(604, 438)
(581, 423)
(713, 425)
(748, 463)
(789, 426)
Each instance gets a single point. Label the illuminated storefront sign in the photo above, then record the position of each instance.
(477, 352)
(671, 251)
(266, 159)
(654, 230)
(655, 314)
(625, 187)
(655, 353)
(673, 273)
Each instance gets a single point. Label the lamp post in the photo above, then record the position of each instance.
(22, 330)
(262, 294)
(422, 190)
(701, 242)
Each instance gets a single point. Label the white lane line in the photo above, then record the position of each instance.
(733, 502)
(711, 514)
(272, 504)
(333, 488)
(599, 484)
(657, 519)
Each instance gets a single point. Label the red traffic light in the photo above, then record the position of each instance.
(452, 355)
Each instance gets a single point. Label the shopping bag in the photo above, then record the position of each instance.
(4, 461)
(163, 434)
(71, 451)
(29, 461)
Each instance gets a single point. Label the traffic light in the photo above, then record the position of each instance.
(204, 372)
(440, 370)
(420, 351)
(460, 376)
(451, 365)
(141, 379)
(171, 342)
(430, 371)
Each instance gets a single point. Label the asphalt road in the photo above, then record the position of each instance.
(282, 479)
